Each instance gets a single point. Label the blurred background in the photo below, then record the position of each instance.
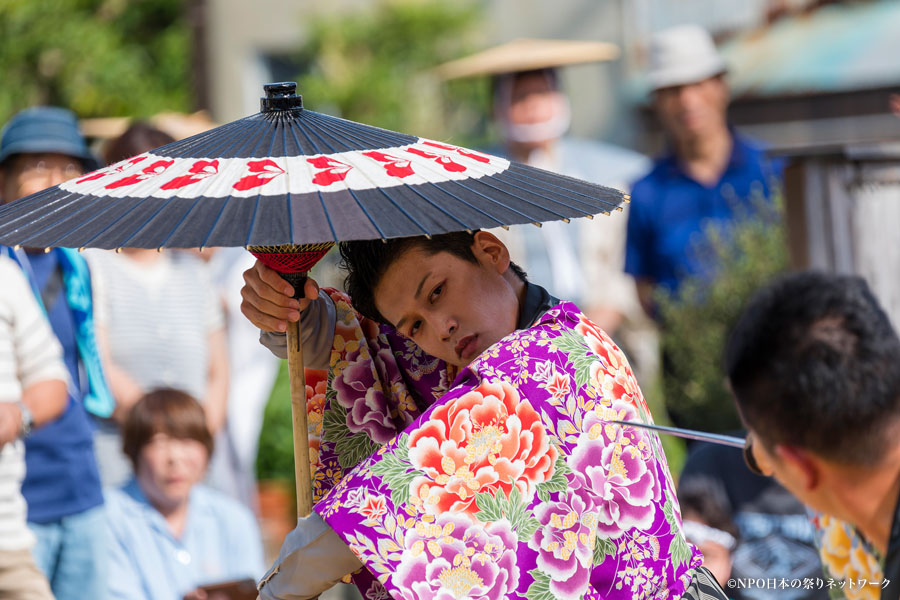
(817, 82)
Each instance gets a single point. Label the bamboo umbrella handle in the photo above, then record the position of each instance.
(298, 417)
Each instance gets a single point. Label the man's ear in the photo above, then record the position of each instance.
(490, 251)
(801, 465)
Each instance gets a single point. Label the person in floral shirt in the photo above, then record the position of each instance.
(813, 363)
(461, 441)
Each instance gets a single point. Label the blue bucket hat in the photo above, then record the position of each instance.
(45, 129)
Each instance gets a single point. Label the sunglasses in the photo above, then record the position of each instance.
(749, 458)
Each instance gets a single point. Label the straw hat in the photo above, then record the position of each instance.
(527, 55)
(682, 55)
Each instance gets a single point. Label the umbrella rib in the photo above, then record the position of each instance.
(225, 202)
(472, 206)
(299, 126)
(375, 133)
(488, 198)
(560, 190)
(432, 203)
(290, 216)
(327, 145)
(259, 194)
(363, 208)
(221, 135)
(81, 224)
(321, 199)
(146, 222)
(525, 175)
(406, 214)
(37, 200)
(549, 199)
(197, 202)
(122, 216)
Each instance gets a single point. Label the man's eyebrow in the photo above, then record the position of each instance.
(400, 323)
(421, 283)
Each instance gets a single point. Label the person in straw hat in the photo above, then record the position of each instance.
(460, 437)
(584, 260)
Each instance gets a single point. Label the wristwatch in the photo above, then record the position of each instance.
(27, 419)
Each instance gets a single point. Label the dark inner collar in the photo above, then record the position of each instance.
(537, 302)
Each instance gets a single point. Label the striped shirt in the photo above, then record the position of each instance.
(29, 354)
(158, 317)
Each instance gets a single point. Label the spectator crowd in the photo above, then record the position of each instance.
(132, 388)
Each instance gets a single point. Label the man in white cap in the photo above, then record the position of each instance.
(708, 173)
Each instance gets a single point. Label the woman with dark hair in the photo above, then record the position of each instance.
(169, 533)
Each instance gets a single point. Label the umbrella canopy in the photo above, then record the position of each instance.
(288, 176)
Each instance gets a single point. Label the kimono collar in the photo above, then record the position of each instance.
(537, 302)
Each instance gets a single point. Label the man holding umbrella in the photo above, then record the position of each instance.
(469, 491)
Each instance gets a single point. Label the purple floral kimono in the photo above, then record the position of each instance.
(512, 484)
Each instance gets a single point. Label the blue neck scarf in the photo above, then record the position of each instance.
(98, 399)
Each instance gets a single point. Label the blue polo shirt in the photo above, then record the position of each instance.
(61, 476)
(670, 212)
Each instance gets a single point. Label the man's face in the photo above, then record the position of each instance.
(533, 100)
(27, 174)
(693, 110)
(451, 308)
(788, 472)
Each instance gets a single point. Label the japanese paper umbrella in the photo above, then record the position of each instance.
(287, 183)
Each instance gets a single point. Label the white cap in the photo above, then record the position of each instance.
(682, 55)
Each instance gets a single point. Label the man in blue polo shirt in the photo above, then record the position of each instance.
(41, 147)
(709, 175)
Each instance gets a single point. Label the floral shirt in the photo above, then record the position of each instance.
(853, 568)
(512, 484)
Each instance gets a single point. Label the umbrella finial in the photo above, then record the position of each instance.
(281, 96)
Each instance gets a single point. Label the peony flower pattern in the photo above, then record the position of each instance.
(454, 559)
(487, 440)
(617, 465)
(565, 540)
(845, 558)
(360, 392)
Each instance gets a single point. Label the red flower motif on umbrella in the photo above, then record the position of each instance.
(331, 170)
(444, 161)
(395, 167)
(461, 151)
(198, 171)
(261, 173)
(154, 170)
(115, 169)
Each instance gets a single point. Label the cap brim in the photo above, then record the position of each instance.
(527, 55)
(50, 147)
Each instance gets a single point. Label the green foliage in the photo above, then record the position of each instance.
(97, 57)
(376, 67)
(351, 448)
(275, 457)
(540, 586)
(513, 508)
(558, 482)
(396, 471)
(580, 356)
(698, 320)
(602, 548)
(679, 549)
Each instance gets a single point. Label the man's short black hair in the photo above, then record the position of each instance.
(814, 362)
(367, 261)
